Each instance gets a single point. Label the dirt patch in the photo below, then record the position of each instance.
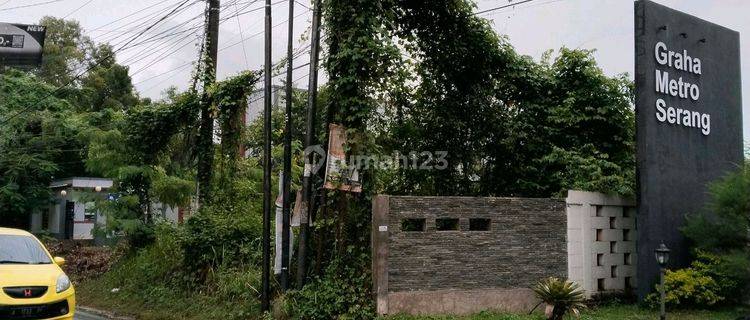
(83, 260)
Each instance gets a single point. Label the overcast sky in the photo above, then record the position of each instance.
(533, 28)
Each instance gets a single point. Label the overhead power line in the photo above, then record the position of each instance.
(242, 36)
(302, 4)
(502, 7)
(93, 65)
(125, 17)
(154, 47)
(165, 54)
(76, 10)
(186, 64)
(140, 23)
(158, 45)
(261, 32)
(165, 34)
(31, 5)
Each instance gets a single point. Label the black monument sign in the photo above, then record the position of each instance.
(21, 45)
(689, 124)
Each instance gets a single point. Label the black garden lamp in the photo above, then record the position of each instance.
(662, 257)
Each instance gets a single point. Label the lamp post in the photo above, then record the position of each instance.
(662, 257)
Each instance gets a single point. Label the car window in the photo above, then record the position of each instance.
(22, 250)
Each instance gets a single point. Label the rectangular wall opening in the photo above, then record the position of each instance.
(613, 247)
(599, 284)
(446, 224)
(412, 225)
(599, 259)
(612, 223)
(613, 272)
(479, 224)
(599, 235)
(628, 259)
(625, 234)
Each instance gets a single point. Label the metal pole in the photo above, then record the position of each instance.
(285, 209)
(663, 314)
(307, 192)
(265, 295)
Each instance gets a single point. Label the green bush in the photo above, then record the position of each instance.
(721, 235)
(160, 276)
(159, 262)
(342, 293)
(140, 235)
(213, 240)
(708, 282)
(724, 225)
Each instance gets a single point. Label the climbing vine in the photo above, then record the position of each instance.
(230, 99)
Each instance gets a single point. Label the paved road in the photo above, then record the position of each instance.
(81, 315)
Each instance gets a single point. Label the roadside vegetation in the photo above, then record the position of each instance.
(157, 282)
(611, 312)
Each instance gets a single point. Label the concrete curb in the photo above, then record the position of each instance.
(102, 313)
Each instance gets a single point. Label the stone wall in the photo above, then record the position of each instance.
(464, 254)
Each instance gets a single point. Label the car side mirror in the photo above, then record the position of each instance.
(59, 261)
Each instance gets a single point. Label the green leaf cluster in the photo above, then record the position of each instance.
(721, 231)
(562, 297)
(342, 292)
(705, 284)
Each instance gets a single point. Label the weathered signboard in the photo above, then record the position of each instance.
(339, 175)
(689, 124)
(21, 44)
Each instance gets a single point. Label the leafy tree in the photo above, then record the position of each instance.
(65, 50)
(39, 141)
(591, 119)
(149, 151)
(134, 152)
(510, 126)
(107, 85)
(432, 76)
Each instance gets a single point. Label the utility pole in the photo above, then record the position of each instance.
(265, 295)
(285, 209)
(308, 200)
(206, 134)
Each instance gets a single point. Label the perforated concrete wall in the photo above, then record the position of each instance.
(601, 242)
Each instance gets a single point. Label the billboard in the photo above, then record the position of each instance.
(688, 125)
(21, 44)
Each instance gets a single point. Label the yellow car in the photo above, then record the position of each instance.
(32, 285)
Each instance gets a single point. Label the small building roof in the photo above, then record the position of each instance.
(82, 182)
